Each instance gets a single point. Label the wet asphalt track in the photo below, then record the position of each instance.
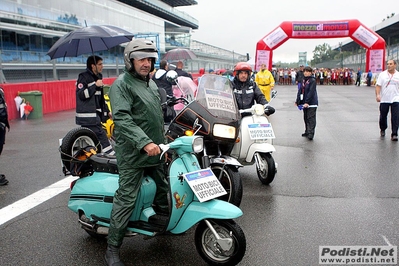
(339, 189)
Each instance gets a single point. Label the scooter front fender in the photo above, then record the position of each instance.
(226, 160)
(259, 147)
(198, 211)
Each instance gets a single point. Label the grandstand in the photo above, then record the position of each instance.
(30, 28)
(387, 29)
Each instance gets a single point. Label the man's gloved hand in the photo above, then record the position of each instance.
(171, 101)
(269, 110)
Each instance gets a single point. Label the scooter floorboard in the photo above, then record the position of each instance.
(156, 223)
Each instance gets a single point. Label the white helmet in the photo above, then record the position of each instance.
(139, 49)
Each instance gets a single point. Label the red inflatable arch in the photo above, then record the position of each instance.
(375, 44)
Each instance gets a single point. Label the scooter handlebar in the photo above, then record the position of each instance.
(259, 110)
(254, 109)
(164, 148)
(250, 110)
(173, 101)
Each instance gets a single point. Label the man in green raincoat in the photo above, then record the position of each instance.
(138, 119)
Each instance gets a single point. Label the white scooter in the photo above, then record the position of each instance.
(255, 142)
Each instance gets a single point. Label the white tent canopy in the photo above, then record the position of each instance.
(251, 62)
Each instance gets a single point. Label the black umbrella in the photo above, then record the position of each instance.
(89, 40)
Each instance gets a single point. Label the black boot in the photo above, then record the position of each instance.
(112, 256)
(3, 180)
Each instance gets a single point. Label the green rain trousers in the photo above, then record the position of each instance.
(125, 199)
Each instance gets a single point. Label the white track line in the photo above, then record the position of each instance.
(386, 240)
(11, 211)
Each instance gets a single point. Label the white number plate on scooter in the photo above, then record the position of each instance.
(261, 131)
(204, 184)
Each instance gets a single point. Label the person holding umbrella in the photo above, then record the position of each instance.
(139, 129)
(91, 109)
(181, 72)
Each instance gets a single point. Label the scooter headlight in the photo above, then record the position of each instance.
(224, 131)
(258, 109)
(198, 144)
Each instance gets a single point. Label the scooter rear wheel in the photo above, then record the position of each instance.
(267, 174)
(209, 249)
(75, 140)
(231, 181)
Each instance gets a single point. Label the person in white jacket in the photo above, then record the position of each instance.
(387, 94)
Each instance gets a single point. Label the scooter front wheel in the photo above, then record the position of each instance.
(209, 248)
(231, 181)
(266, 168)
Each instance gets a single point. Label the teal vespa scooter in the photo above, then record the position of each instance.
(218, 239)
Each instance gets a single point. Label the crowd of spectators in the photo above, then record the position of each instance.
(324, 76)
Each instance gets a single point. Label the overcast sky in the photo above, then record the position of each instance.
(239, 25)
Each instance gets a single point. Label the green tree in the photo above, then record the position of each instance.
(323, 52)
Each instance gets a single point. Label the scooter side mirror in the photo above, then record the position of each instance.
(171, 76)
(196, 126)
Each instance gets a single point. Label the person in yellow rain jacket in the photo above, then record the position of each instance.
(265, 81)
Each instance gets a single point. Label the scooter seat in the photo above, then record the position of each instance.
(104, 163)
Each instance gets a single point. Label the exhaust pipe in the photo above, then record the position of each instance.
(87, 225)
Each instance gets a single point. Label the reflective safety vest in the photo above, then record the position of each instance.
(90, 101)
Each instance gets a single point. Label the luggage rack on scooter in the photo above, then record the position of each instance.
(102, 162)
